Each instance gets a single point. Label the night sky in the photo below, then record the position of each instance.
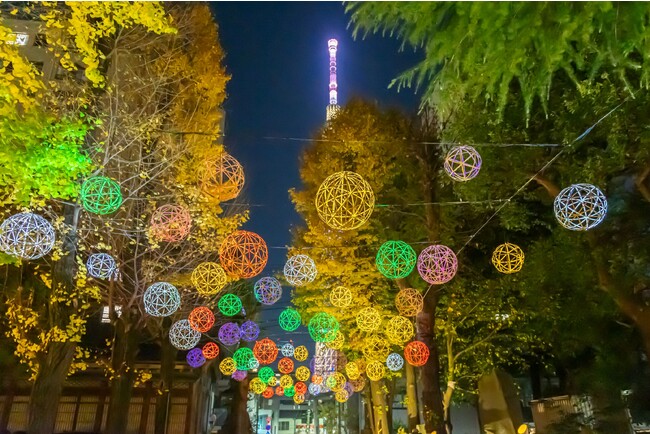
(277, 56)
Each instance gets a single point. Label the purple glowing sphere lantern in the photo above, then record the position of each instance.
(249, 331)
(229, 333)
(239, 375)
(462, 163)
(437, 264)
(195, 358)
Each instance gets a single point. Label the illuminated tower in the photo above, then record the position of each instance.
(333, 106)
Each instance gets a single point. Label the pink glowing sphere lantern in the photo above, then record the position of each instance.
(171, 223)
(437, 264)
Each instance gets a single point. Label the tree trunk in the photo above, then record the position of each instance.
(238, 421)
(446, 404)
(46, 391)
(125, 349)
(369, 421)
(167, 361)
(379, 408)
(411, 399)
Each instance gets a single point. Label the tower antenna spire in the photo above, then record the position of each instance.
(333, 106)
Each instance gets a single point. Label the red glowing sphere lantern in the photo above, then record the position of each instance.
(210, 350)
(265, 351)
(170, 223)
(416, 353)
(243, 254)
(201, 319)
(285, 365)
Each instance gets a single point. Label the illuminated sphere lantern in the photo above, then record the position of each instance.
(243, 357)
(341, 396)
(376, 348)
(375, 370)
(352, 370)
(279, 391)
(336, 381)
(253, 364)
(368, 319)
(348, 388)
(265, 373)
(182, 336)
(437, 264)
(257, 386)
(161, 299)
(314, 389)
(323, 327)
(416, 353)
(239, 375)
(229, 305)
(300, 387)
(209, 278)
(395, 259)
(580, 207)
(300, 270)
(317, 379)
(285, 365)
(462, 163)
(300, 353)
(27, 236)
(171, 223)
(409, 302)
(394, 362)
(298, 398)
(201, 319)
(303, 373)
(229, 333)
(345, 201)
(289, 319)
(249, 331)
(289, 391)
(223, 177)
(286, 381)
(101, 266)
(267, 290)
(195, 358)
(243, 254)
(210, 350)
(287, 350)
(399, 330)
(508, 258)
(358, 384)
(266, 351)
(100, 195)
(273, 381)
(340, 296)
(338, 341)
(268, 392)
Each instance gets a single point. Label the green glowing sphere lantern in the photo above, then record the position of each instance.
(289, 319)
(243, 357)
(230, 305)
(101, 195)
(395, 259)
(323, 327)
(265, 374)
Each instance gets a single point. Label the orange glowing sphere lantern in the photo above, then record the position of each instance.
(201, 319)
(279, 391)
(265, 351)
(222, 177)
(210, 350)
(268, 392)
(416, 353)
(317, 379)
(300, 387)
(285, 365)
(243, 254)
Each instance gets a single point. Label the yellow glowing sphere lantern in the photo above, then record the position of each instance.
(361, 364)
(345, 201)
(352, 370)
(376, 349)
(508, 258)
(298, 398)
(228, 366)
(341, 297)
(300, 353)
(368, 319)
(341, 395)
(399, 330)
(335, 381)
(375, 370)
(209, 278)
(257, 386)
(358, 384)
(409, 302)
(273, 381)
(222, 177)
(338, 341)
(303, 373)
(286, 381)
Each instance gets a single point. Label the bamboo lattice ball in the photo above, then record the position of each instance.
(395, 259)
(303, 373)
(437, 264)
(161, 299)
(100, 195)
(210, 350)
(182, 336)
(338, 341)
(239, 375)
(299, 270)
(229, 305)
(298, 398)
(375, 370)
(26, 235)
(267, 290)
(399, 330)
(273, 381)
(409, 302)
(368, 319)
(101, 266)
(323, 327)
(209, 278)
(341, 296)
(317, 379)
(352, 370)
(289, 319)
(358, 384)
(348, 387)
(285, 365)
(170, 223)
(279, 391)
(286, 381)
(300, 353)
(508, 258)
(336, 381)
(345, 201)
(249, 331)
(341, 396)
(416, 353)
(243, 357)
(376, 348)
(266, 351)
(314, 389)
(257, 386)
(268, 392)
(265, 373)
(243, 254)
(201, 319)
(463, 163)
(195, 358)
(394, 362)
(301, 388)
(287, 350)
(289, 391)
(253, 364)
(222, 177)
(580, 207)
(229, 334)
